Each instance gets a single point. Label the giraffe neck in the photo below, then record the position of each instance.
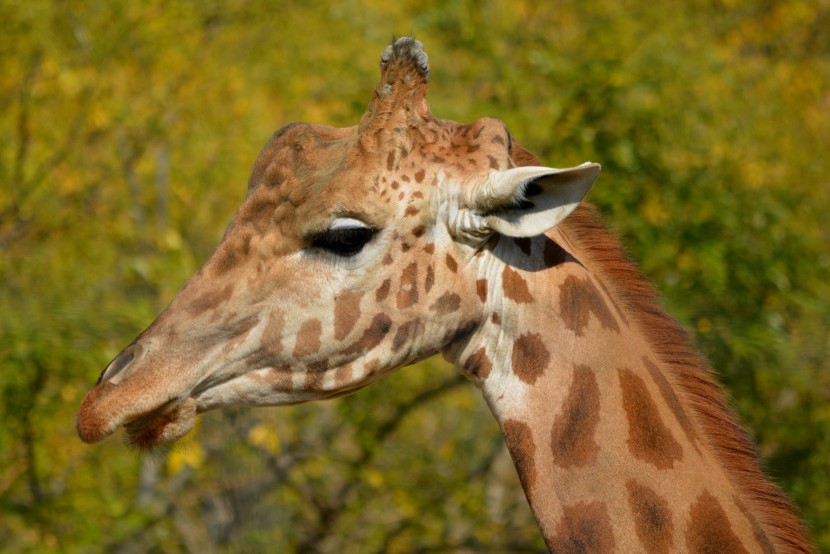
(612, 450)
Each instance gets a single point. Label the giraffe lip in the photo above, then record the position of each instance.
(170, 421)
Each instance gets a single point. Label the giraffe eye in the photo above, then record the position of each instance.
(345, 237)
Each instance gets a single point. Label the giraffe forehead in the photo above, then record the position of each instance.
(302, 154)
(308, 175)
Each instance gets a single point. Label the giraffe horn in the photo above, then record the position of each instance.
(399, 100)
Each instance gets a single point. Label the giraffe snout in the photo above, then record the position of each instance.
(92, 423)
(148, 395)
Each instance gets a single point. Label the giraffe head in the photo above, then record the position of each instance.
(354, 253)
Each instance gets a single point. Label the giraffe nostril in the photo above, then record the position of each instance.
(119, 363)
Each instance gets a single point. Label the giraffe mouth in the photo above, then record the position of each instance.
(147, 424)
(163, 425)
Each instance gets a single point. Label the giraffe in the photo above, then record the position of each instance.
(361, 250)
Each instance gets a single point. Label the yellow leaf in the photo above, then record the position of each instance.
(265, 437)
(192, 455)
(173, 239)
(69, 393)
(654, 211)
(374, 478)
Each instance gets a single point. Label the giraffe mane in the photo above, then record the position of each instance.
(691, 375)
(687, 370)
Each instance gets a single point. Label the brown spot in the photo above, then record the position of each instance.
(371, 368)
(372, 336)
(648, 437)
(530, 357)
(343, 376)
(419, 175)
(430, 279)
(451, 263)
(672, 400)
(429, 248)
(406, 333)
(225, 259)
(277, 378)
(417, 194)
(405, 247)
(515, 287)
(395, 185)
(405, 178)
(553, 253)
(524, 244)
(210, 300)
(390, 161)
(308, 338)
(652, 518)
(408, 292)
(260, 207)
(241, 329)
(388, 260)
(478, 365)
(709, 530)
(497, 140)
(315, 375)
(419, 230)
(493, 163)
(585, 528)
(383, 290)
(410, 210)
(447, 303)
(272, 335)
(270, 341)
(346, 313)
(463, 330)
(495, 319)
(246, 244)
(481, 289)
(572, 437)
(578, 299)
(519, 441)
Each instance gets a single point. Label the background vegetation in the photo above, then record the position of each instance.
(126, 133)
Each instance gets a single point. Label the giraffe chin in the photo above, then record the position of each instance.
(163, 425)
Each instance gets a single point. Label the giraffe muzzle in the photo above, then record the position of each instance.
(151, 400)
(104, 411)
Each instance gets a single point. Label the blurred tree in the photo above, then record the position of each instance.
(126, 134)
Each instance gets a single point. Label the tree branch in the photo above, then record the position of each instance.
(329, 514)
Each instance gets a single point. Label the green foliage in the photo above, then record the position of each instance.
(126, 134)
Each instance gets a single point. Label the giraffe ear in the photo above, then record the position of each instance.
(528, 201)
